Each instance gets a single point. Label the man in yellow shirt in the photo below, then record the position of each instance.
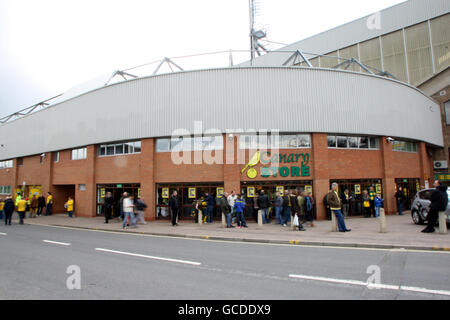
(48, 210)
(69, 206)
(21, 208)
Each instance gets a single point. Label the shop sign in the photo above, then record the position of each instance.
(308, 188)
(302, 168)
(192, 193)
(139, 192)
(165, 193)
(378, 188)
(102, 192)
(219, 191)
(251, 192)
(357, 189)
(119, 186)
(280, 189)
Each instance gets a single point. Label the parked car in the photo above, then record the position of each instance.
(421, 205)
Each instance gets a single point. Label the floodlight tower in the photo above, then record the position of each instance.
(255, 35)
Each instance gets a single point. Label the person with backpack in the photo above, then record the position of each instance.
(439, 202)
(378, 204)
(140, 207)
(239, 207)
(8, 209)
(309, 204)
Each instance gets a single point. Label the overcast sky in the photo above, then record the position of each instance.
(49, 46)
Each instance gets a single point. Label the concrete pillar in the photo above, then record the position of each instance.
(442, 222)
(224, 221)
(334, 226)
(260, 222)
(200, 217)
(382, 219)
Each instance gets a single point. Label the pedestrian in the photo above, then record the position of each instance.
(378, 204)
(301, 206)
(335, 203)
(209, 207)
(124, 195)
(21, 209)
(33, 206)
(255, 206)
(109, 203)
(226, 209)
(128, 209)
(346, 197)
(366, 204)
(295, 209)
(231, 200)
(327, 206)
(140, 207)
(174, 206)
(372, 195)
(69, 206)
(239, 207)
(309, 205)
(400, 198)
(286, 208)
(8, 210)
(278, 205)
(439, 202)
(263, 204)
(48, 209)
(2, 205)
(41, 205)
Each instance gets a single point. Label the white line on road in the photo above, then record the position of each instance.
(56, 242)
(149, 257)
(371, 286)
(2, 234)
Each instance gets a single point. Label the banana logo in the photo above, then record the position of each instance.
(252, 173)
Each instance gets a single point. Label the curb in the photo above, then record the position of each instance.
(265, 241)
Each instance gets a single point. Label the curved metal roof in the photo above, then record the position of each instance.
(290, 99)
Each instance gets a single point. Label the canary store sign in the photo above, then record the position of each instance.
(274, 165)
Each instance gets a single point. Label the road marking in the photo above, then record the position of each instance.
(149, 257)
(56, 242)
(242, 242)
(2, 234)
(371, 286)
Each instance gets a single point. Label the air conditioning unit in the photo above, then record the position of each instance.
(440, 164)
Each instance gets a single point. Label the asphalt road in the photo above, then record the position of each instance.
(34, 262)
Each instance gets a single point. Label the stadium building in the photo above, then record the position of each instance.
(285, 122)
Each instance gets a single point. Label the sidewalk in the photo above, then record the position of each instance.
(401, 232)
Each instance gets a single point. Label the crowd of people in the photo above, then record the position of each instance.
(283, 208)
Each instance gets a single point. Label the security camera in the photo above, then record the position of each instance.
(43, 155)
(389, 139)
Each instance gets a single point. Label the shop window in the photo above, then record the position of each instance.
(119, 148)
(7, 164)
(282, 141)
(404, 146)
(343, 142)
(55, 156)
(5, 190)
(20, 161)
(78, 154)
(447, 113)
(179, 144)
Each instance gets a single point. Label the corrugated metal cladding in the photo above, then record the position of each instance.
(288, 99)
(394, 18)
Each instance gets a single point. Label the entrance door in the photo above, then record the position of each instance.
(410, 188)
(117, 191)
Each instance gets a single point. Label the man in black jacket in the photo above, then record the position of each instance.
(400, 197)
(226, 209)
(174, 205)
(263, 204)
(8, 209)
(109, 203)
(439, 201)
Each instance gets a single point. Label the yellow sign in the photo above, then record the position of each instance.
(35, 189)
(378, 188)
(192, 193)
(165, 193)
(219, 191)
(357, 189)
(308, 189)
(280, 189)
(139, 192)
(252, 173)
(251, 192)
(102, 192)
